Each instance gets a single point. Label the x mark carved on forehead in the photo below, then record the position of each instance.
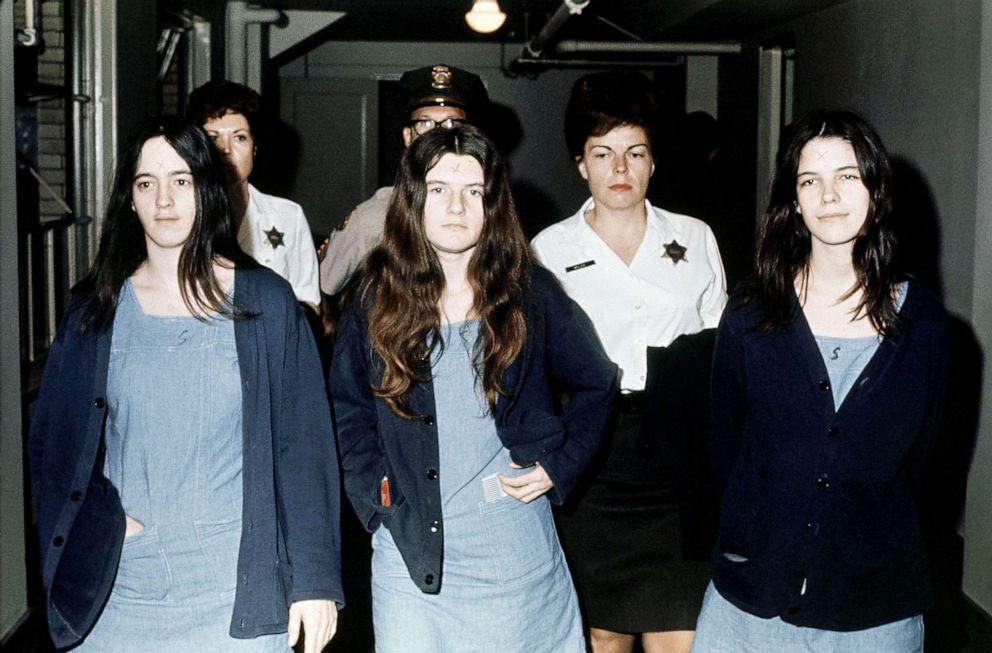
(822, 156)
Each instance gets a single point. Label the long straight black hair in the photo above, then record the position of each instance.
(122, 241)
(784, 244)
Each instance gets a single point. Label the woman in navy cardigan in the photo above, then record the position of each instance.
(827, 386)
(445, 373)
(182, 456)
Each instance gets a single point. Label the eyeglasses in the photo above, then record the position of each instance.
(424, 125)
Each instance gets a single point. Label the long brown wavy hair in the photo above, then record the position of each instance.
(402, 280)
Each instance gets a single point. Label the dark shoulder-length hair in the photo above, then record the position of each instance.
(122, 241)
(219, 97)
(402, 280)
(603, 101)
(784, 246)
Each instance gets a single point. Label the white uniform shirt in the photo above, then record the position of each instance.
(275, 233)
(665, 292)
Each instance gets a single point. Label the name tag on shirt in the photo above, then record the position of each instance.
(579, 266)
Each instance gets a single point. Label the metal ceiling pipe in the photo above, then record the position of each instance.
(566, 10)
(237, 17)
(628, 47)
(545, 62)
(29, 35)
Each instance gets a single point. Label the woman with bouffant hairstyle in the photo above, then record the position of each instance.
(652, 283)
(446, 365)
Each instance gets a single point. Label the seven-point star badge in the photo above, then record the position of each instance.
(275, 237)
(675, 252)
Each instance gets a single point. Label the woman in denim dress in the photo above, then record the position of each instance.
(451, 446)
(209, 520)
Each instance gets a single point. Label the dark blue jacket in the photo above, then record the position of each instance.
(290, 546)
(561, 352)
(818, 496)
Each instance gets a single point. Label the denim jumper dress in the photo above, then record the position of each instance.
(505, 585)
(727, 627)
(174, 442)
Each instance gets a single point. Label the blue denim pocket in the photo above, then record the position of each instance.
(521, 536)
(143, 575)
(219, 541)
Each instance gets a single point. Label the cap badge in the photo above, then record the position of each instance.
(440, 77)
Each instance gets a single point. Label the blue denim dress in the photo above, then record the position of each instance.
(505, 584)
(725, 627)
(174, 443)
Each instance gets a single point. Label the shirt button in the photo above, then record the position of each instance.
(431, 474)
(812, 528)
(429, 579)
(435, 526)
(76, 495)
(58, 540)
(244, 575)
(833, 431)
(824, 385)
(244, 621)
(823, 482)
(99, 402)
(429, 420)
(251, 525)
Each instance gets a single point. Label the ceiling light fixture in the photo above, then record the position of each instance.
(485, 16)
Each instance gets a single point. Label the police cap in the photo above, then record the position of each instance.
(443, 85)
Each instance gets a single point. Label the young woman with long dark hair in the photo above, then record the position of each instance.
(445, 372)
(182, 455)
(827, 387)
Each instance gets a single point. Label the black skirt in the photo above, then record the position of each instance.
(623, 541)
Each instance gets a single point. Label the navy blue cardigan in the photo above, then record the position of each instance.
(561, 352)
(818, 496)
(290, 544)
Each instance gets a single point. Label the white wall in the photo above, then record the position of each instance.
(978, 512)
(701, 83)
(912, 68)
(13, 579)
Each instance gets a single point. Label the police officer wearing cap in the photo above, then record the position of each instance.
(437, 96)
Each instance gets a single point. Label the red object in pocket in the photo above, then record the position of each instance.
(385, 500)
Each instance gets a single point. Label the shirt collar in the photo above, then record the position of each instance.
(661, 228)
(254, 208)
